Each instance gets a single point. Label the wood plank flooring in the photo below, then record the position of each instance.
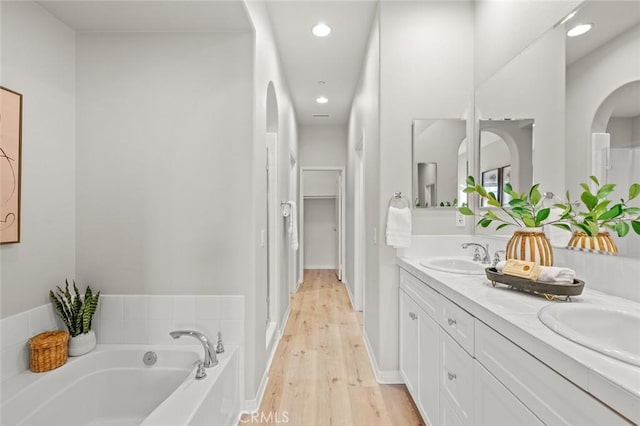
(320, 374)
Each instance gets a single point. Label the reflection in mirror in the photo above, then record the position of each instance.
(603, 101)
(440, 164)
(506, 156)
(616, 149)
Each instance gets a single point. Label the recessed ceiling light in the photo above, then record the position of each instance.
(321, 30)
(569, 16)
(579, 30)
(321, 82)
(322, 100)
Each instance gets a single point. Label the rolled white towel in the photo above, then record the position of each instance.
(500, 265)
(556, 274)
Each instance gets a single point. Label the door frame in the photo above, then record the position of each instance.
(342, 239)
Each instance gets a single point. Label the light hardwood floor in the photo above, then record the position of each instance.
(320, 374)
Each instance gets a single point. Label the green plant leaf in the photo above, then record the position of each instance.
(622, 228)
(589, 200)
(636, 226)
(632, 210)
(562, 226)
(491, 215)
(471, 181)
(494, 203)
(534, 195)
(634, 191)
(584, 228)
(484, 222)
(612, 213)
(529, 222)
(466, 211)
(542, 215)
(606, 190)
(516, 202)
(469, 190)
(595, 180)
(585, 187)
(502, 225)
(481, 191)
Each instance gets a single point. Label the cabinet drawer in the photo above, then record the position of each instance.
(458, 323)
(550, 396)
(426, 297)
(456, 378)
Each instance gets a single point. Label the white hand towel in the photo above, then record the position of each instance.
(556, 274)
(399, 227)
(293, 226)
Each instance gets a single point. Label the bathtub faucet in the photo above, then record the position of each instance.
(210, 359)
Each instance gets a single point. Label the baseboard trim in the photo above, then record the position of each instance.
(385, 377)
(252, 405)
(346, 284)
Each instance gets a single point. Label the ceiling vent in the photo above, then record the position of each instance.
(320, 115)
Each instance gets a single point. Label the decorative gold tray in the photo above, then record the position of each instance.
(549, 290)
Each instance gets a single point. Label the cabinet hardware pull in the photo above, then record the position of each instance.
(451, 376)
(413, 316)
(451, 321)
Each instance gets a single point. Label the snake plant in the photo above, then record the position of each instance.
(76, 312)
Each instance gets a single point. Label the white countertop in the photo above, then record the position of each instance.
(514, 315)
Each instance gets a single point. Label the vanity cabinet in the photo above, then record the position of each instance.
(462, 372)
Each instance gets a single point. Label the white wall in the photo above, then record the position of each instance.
(503, 29)
(323, 146)
(266, 69)
(590, 81)
(38, 60)
(421, 76)
(157, 182)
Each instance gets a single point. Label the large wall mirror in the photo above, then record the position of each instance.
(440, 164)
(582, 92)
(603, 100)
(506, 156)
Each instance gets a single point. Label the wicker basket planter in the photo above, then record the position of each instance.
(601, 243)
(530, 244)
(48, 350)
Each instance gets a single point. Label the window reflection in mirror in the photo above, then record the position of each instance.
(440, 164)
(506, 156)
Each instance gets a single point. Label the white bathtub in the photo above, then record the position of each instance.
(112, 386)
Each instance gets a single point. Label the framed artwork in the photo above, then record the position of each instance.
(505, 172)
(491, 183)
(10, 164)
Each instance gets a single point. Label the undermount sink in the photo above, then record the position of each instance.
(456, 265)
(610, 331)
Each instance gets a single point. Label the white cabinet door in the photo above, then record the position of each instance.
(409, 343)
(494, 405)
(456, 377)
(429, 368)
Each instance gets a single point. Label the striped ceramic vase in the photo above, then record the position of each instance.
(602, 243)
(530, 244)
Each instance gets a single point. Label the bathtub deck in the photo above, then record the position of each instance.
(321, 373)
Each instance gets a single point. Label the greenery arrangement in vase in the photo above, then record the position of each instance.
(77, 313)
(527, 213)
(598, 216)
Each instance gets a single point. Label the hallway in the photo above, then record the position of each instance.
(321, 373)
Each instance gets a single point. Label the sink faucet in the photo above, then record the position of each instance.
(210, 359)
(485, 259)
(496, 257)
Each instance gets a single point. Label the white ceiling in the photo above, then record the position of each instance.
(336, 59)
(610, 18)
(150, 15)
